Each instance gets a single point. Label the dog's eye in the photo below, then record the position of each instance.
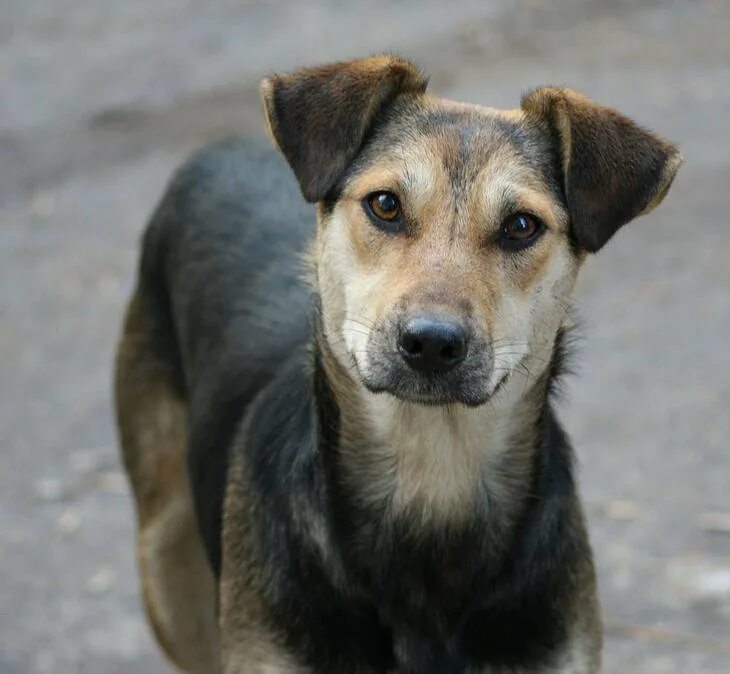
(520, 230)
(384, 207)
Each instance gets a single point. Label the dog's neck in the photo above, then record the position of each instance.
(439, 464)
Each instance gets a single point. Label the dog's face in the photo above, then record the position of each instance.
(449, 240)
(445, 260)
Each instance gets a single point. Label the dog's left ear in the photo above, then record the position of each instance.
(613, 170)
(319, 116)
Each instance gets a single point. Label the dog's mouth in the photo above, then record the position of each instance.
(428, 376)
(471, 388)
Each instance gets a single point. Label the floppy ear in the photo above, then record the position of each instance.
(613, 170)
(319, 116)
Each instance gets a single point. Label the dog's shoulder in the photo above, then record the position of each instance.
(221, 267)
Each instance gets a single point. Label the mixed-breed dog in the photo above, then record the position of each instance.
(339, 430)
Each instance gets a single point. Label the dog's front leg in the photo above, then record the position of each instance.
(247, 645)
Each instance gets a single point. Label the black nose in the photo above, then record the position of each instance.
(432, 344)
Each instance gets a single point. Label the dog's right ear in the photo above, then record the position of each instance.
(319, 116)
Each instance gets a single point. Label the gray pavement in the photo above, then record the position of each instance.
(98, 103)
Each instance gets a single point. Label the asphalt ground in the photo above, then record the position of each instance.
(99, 102)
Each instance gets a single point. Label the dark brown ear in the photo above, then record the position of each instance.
(613, 170)
(319, 116)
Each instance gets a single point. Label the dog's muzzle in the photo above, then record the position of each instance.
(428, 358)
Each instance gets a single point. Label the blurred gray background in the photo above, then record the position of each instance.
(99, 101)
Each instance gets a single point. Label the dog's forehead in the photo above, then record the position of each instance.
(462, 139)
(470, 124)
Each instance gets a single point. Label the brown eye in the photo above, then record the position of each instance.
(520, 230)
(384, 205)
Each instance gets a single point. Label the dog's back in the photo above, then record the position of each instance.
(220, 273)
(220, 254)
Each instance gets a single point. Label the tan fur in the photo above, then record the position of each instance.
(177, 585)
(430, 456)
(665, 182)
(430, 462)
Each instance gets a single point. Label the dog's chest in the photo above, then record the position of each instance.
(436, 498)
(426, 579)
(431, 464)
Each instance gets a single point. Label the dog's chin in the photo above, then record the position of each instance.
(437, 398)
(436, 391)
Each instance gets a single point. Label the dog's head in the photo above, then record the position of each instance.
(450, 234)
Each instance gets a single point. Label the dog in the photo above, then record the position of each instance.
(339, 430)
